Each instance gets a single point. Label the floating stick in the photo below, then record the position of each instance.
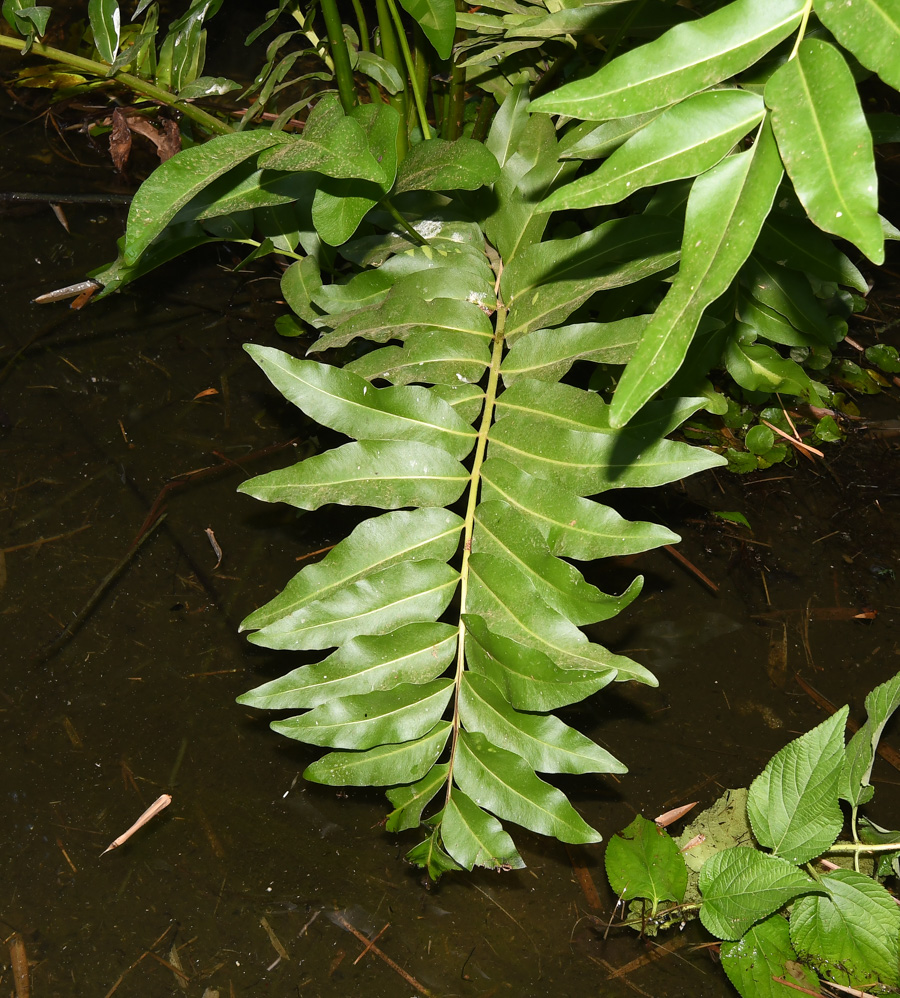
(158, 805)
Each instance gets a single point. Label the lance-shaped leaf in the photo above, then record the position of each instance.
(508, 124)
(851, 934)
(597, 141)
(410, 801)
(437, 18)
(438, 165)
(725, 212)
(401, 594)
(502, 783)
(432, 857)
(105, 21)
(528, 678)
(793, 804)
(870, 29)
(544, 742)
(387, 474)
(795, 242)
(374, 545)
(172, 185)
(500, 530)
(369, 719)
(402, 315)
(741, 885)
(684, 141)
(428, 356)
(546, 283)
(547, 354)
(475, 838)
(790, 294)
(382, 766)
(347, 403)
(763, 954)
(574, 527)
(826, 144)
(686, 59)
(413, 653)
(510, 605)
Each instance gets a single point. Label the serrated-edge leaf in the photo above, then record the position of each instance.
(642, 861)
(762, 954)
(742, 885)
(793, 804)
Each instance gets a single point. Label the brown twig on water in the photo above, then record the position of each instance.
(678, 556)
(370, 944)
(18, 959)
(584, 878)
(49, 650)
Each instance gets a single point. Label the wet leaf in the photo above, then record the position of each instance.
(763, 953)
(642, 861)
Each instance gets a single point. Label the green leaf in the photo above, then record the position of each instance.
(105, 20)
(790, 294)
(548, 354)
(688, 139)
(438, 165)
(642, 861)
(379, 717)
(501, 782)
(437, 18)
(387, 474)
(503, 139)
(826, 145)
(686, 59)
(793, 804)
(502, 531)
(574, 527)
(332, 143)
(795, 242)
(431, 856)
(602, 139)
(870, 29)
(381, 71)
(413, 653)
(475, 838)
(376, 604)
(173, 184)
(851, 935)
(741, 885)
(347, 403)
(382, 766)
(763, 953)
(509, 603)
(759, 368)
(410, 801)
(428, 356)
(856, 772)
(298, 285)
(725, 212)
(375, 544)
(528, 679)
(547, 282)
(544, 742)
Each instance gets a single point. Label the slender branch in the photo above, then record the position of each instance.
(863, 847)
(334, 28)
(410, 69)
(801, 32)
(490, 398)
(411, 232)
(101, 69)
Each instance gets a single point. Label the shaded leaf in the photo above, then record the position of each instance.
(437, 18)
(881, 704)
(438, 165)
(105, 20)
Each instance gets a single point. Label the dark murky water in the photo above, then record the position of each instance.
(98, 410)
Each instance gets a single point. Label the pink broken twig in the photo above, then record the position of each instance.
(158, 805)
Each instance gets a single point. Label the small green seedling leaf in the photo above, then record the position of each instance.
(642, 861)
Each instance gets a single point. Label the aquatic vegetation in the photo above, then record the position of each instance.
(754, 867)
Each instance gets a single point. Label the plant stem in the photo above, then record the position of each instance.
(135, 83)
(861, 847)
(420, 240)
(410, 69)
(455, 102)
(487, 418)
(801, 31)
(334, 28)
(391, 52)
